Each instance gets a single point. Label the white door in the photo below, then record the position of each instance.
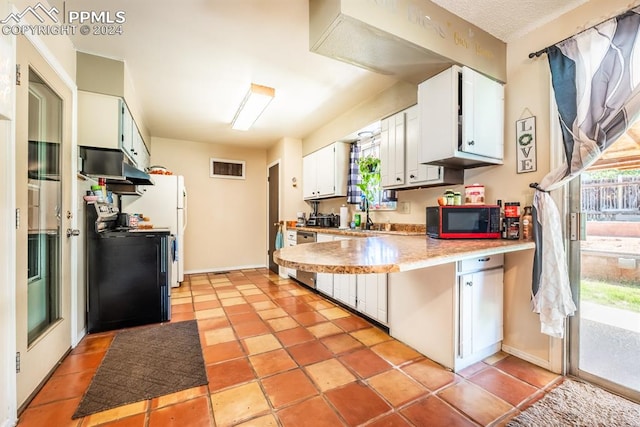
(43, 197)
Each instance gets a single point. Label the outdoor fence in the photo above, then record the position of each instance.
(611, 199)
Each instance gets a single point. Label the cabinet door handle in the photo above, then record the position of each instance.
(484, 259)
(398, 179)
(412, 176)
(472, 142)
(469, 283)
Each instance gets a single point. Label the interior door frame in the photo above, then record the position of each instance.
(70, 170)
(269, 221)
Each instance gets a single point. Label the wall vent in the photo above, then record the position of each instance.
(230, 169)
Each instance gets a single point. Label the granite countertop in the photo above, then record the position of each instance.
(388, 253)
(396, 230)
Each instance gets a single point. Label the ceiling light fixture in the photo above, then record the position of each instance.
(252, 106)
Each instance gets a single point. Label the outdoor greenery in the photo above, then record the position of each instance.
(609, 173)
(369, 168)
(619, 295)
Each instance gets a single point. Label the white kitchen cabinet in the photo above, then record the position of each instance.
(344, 285)
(451, 313)
(291, 240)
(399, 147)
(392, 148)
(325, 172)
(105, 121)
(324, 281)
(461, 119)
(372, 296)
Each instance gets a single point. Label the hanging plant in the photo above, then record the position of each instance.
(369, 168)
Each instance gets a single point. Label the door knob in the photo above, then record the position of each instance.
(72, 232)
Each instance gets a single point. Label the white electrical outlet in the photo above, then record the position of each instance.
(405, 207)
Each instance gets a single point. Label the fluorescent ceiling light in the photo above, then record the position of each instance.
(252, 106)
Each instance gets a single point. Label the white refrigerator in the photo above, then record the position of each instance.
(165, 203)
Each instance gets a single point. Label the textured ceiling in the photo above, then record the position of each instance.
(509, 19)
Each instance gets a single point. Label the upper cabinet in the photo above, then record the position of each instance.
(105, 121)
(399, 147)
(461, 115)
(324, 172)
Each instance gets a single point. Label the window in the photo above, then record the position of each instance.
(231, 169)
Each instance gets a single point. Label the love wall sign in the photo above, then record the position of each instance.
(526, 160)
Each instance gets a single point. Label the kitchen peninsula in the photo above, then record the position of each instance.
(444, 297)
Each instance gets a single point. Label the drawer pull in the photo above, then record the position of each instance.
(484, 259)
(469, 283)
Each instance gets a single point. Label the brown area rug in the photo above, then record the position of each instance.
(143, 363)
(575, 403)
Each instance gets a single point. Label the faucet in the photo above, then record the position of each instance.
(369, 223)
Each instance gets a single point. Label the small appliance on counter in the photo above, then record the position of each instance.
(464, 222)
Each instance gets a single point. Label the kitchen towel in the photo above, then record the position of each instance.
(279, 238)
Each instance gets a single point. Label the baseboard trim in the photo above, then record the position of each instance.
(526, 356)
(219, 269)
(9, 422)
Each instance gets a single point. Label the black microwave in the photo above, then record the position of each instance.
(464, 222)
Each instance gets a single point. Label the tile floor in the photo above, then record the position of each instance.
(278, 354)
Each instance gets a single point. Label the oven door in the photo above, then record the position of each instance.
(306, 277)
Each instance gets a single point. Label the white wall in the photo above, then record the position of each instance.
(226, 217)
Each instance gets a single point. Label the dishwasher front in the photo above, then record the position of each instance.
(306, 277)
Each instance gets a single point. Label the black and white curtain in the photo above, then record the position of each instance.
(596, 80)
(353, 191)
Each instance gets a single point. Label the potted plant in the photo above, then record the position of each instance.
(369, 168)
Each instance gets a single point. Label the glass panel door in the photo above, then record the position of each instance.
(605, 270)
(44, 207)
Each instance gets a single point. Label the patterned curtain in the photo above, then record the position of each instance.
(353, 191)
(596, 81)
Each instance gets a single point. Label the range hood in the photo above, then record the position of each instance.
(111, 164)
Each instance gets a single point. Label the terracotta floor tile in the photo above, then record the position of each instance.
(250, 329)
(51, 414)
(430, 374)
(192, 413)
(264, 305)
(320, 304)
(471, 370)
(238, 404)
(288, 387)
(60, 387)
(324, 329)
(395, 352)
(273, 313)
(208, 313)
(220, 352)
(492, 360)
(256, 298)
(228, 302)
(250, 316)
(329, 374)
(217, 336)
(229, 294)
(138, 420)
(180, 396)
(365, 363)
(186, 307)
(341, 343)
(215, 323)
(370, 336)
(433, 412)
(294, 336)
(315, 409)
(261, 344)
(397, 387)
(238, 309)
(475, 402)
(334, 313)
(309, 318)
(352, 323)
(199, 306)
(115, 414)
(272, 362)
(264, 421)
(357, 403)
(282, 323)
(506, 387)
(227, 374)
(207, 297)
(391, 420)
(91, 343)
(181, 317)
(309, 352)
(526, 371)
(80, 362)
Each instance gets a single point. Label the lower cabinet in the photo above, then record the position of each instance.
(367, 293)
(451, 313)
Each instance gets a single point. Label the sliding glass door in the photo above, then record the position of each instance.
(605, 270)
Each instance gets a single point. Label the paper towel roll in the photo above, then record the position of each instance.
(344, 216)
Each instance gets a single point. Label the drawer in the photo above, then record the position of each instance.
(480, 263)
(291, 235)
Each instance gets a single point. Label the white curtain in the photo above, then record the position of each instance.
(596, 76)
